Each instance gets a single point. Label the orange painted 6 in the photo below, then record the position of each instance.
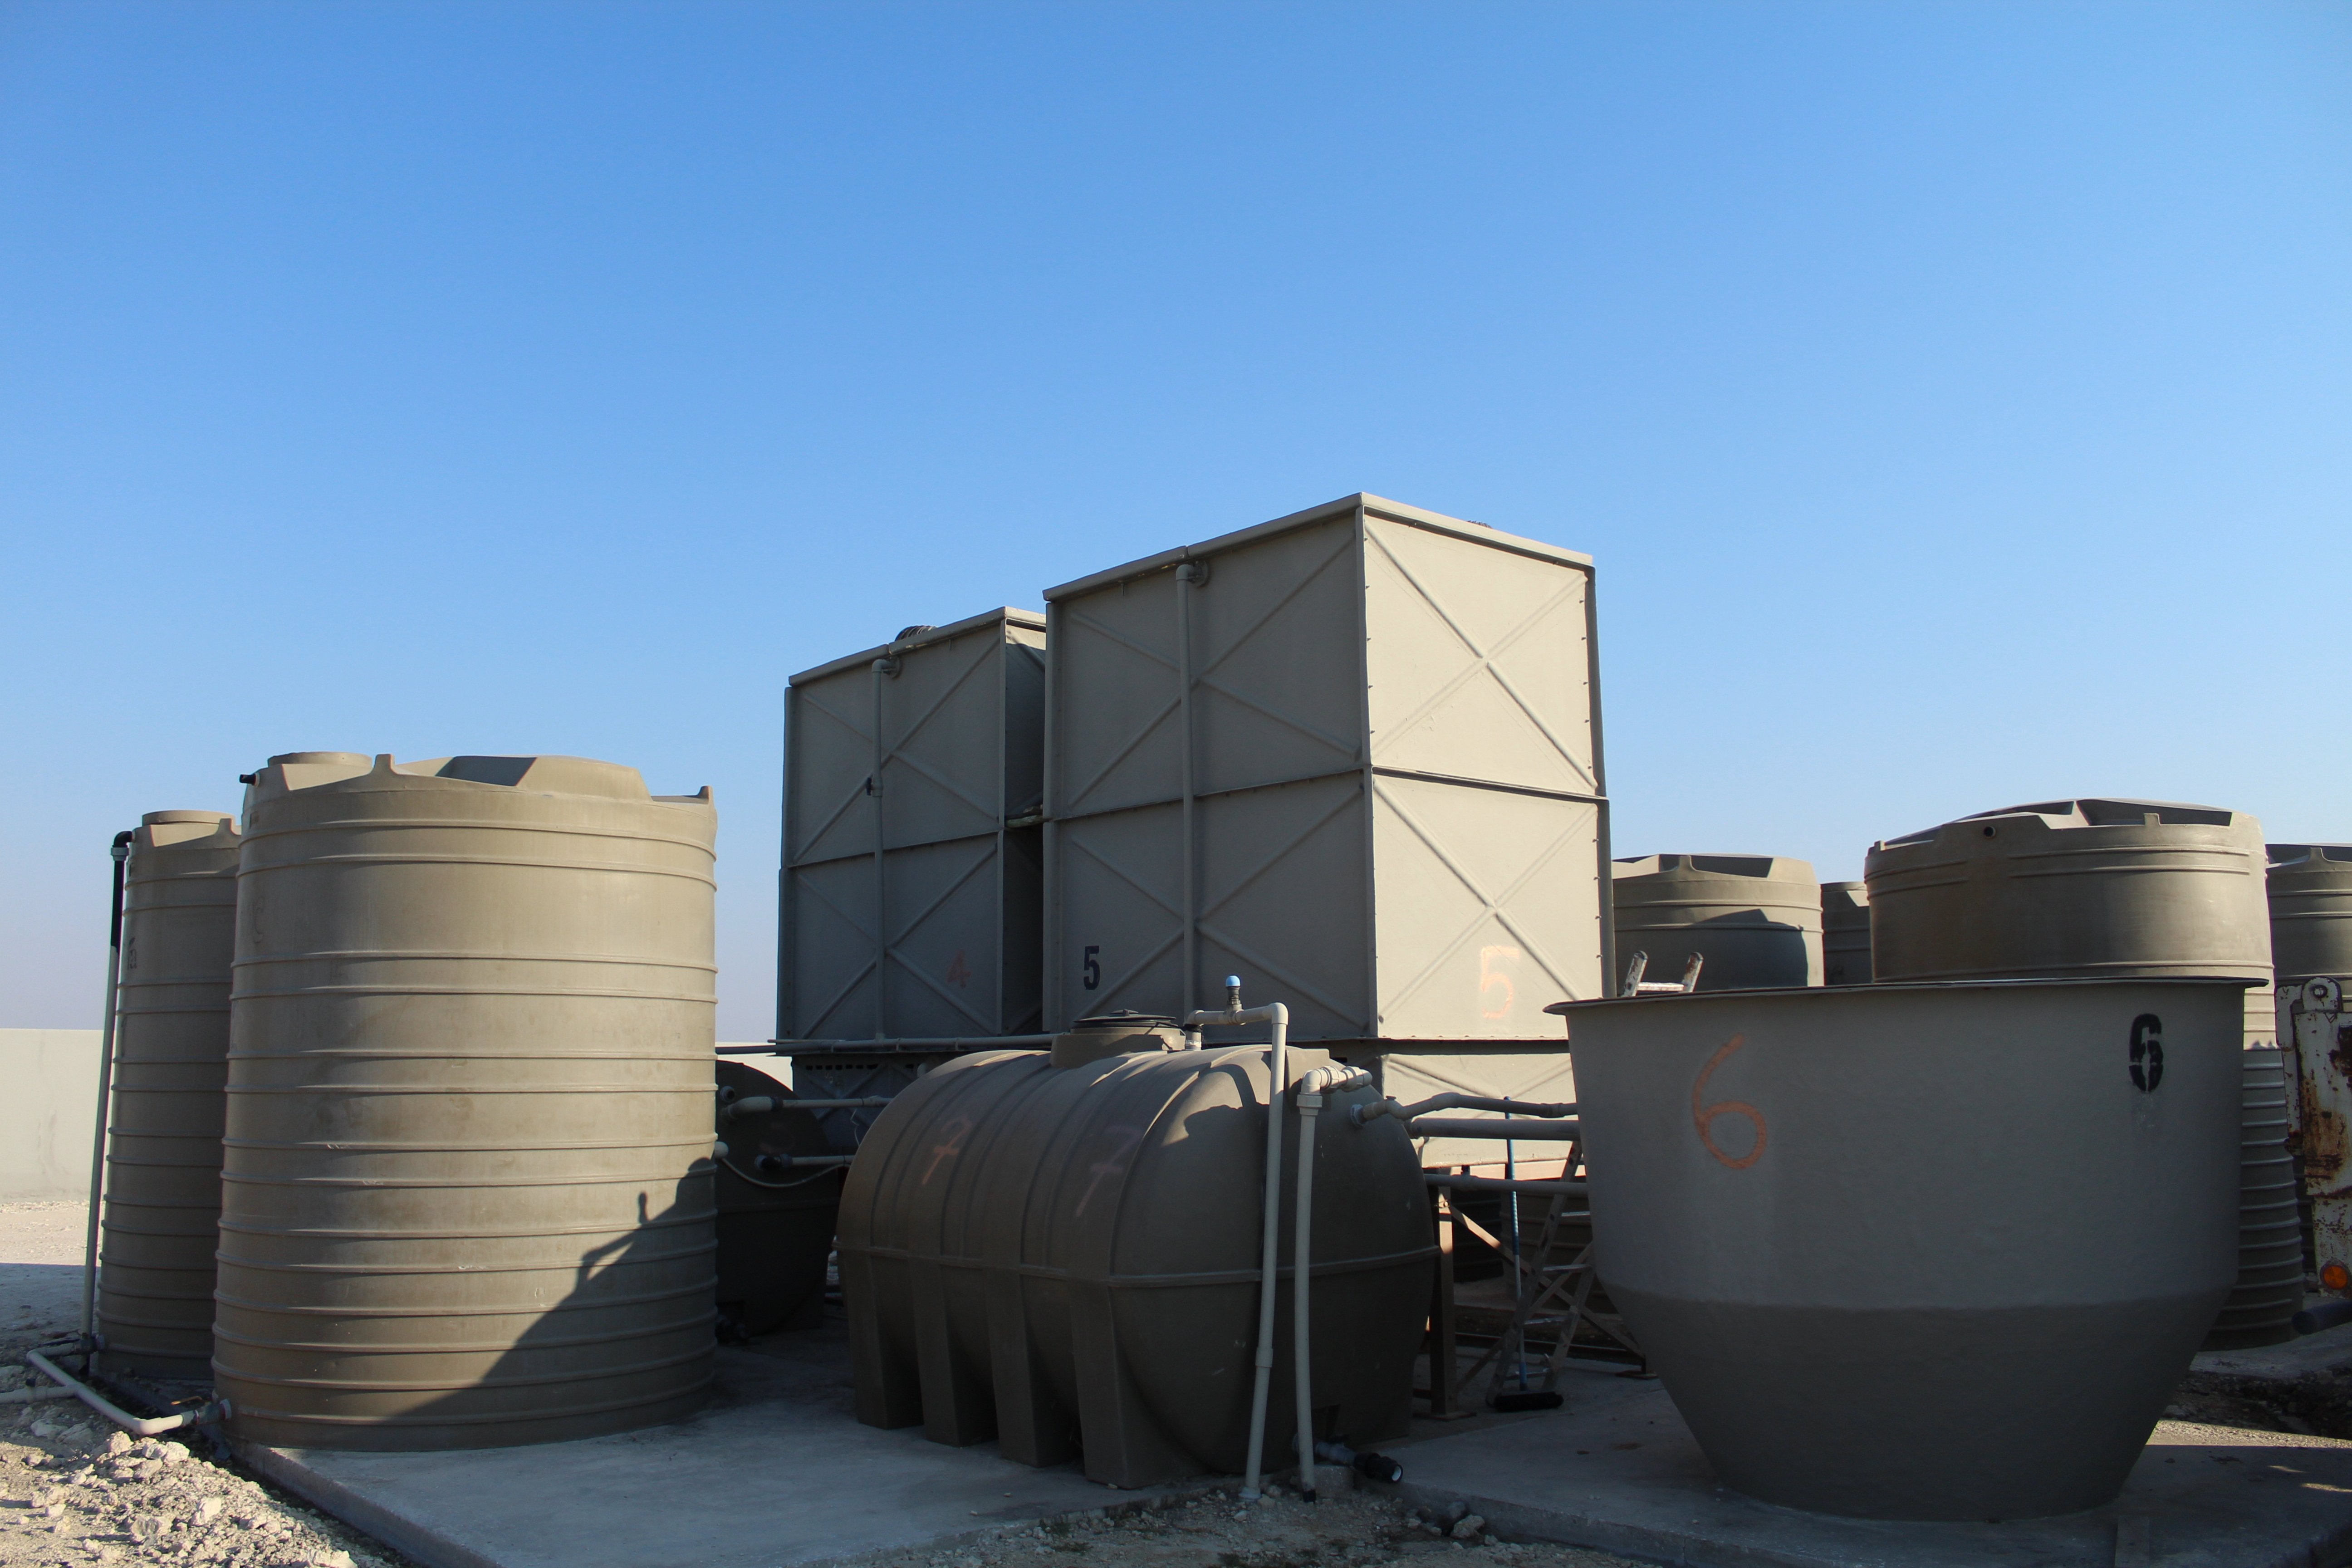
(1702, 1116)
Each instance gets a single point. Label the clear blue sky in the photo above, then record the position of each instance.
(1958, 399)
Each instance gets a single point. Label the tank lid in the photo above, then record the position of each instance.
(1764, 868)
(550, 775)
(352, 758)
(2088, 812)
(154, 817)
(1124, 1019)
(1115, 1035)
(2282, 856)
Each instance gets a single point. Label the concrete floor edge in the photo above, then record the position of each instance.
(415, 1541)
(1522, 1521)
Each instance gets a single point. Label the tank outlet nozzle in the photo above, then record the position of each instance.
(719, 1151)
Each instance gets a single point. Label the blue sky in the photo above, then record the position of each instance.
(1958, 399)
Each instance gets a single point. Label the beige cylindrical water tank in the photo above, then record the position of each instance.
(1845, 933)
(2310, 889)
(467, 1198)
(1757, 919)
(2073, 889)
(161, 1213)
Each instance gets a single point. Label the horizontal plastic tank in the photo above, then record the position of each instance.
(2310, 894)
(467, 1198)
(1756, 919)
(1065, 1259)
(170, 1066)
(1845, 933)
(1935, 1252)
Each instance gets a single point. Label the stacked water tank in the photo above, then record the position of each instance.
(1845, 933)
(2113, 889)
(467, 1194)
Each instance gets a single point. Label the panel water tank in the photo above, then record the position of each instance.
(170, 1063)
(1756, 919)
(1845, 933)
(1352, 755)
(1066, 1260)
(928, 752)
(466, 1198)
(1858, 1230)
(2310, 890)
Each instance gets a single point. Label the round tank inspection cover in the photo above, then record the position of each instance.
(2146, 1052)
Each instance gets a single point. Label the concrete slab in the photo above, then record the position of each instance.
(2306, 1384)
(1617, 1470)
(776, 1472)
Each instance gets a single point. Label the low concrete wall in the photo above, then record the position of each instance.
(48, 1100)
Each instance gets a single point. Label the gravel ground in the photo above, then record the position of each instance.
(1349, 1529)
(74, 1488)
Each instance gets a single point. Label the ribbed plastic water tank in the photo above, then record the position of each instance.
(2310, 888)
(1858, 1229)
(2072, 889)
(161, 1213)
(2262, 1306)
(1757, 919)
(2123, 888)
(467, 1198)
(1845, 933)
(775, 1219)
(1065, 1259)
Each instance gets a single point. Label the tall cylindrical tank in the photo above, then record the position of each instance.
(1845, 933)
(2072, 889)
(1858, 1230)
(2261, 1306)
(467, 1198)
(161, 1213)
(1065, 1258)
(775, 1219)
(1756, 919)
(2310, 889)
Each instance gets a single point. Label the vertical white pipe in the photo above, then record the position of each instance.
(1310, 1102)
(122, 853)
(1278, 1061)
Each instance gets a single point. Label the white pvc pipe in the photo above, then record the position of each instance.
(1310, 1105)
(27, 1396)
(1278, 1076)
(146, 1427)
(122, 853)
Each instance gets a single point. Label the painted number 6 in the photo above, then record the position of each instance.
(1704, 1116)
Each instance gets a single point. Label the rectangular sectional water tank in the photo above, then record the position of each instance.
(1353, 755)
(928, 753)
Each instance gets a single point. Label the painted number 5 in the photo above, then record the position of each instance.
(1705, 1116)
(1493, 974)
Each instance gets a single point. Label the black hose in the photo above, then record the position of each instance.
(2326, 1315)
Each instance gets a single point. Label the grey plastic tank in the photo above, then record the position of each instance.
(2072, 889)
(1845, 934)
(2310, 890)
(2269, 1293)
(1065, 1259)
(775, 1219)
(1757, 919)
(466, 1198)
(1918, 1251)
(161, 1213)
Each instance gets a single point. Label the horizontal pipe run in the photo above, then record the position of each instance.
(927, 1043)
(1528, 1131)
(1404, 1112)
(27, 1396)
(144, 1427)
(761, 1104)
(1498, 1184)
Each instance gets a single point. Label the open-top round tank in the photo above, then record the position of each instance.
(2310, 895)
(1059, 1250)
(1756, 919)
(467, 1196)
(1918, 1251)
(162, 1213)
